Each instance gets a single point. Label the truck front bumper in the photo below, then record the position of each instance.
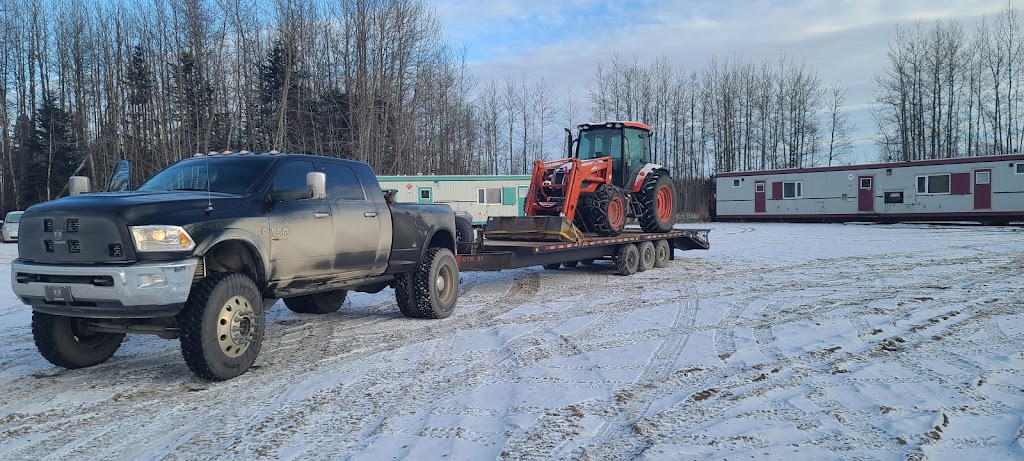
(137, 291)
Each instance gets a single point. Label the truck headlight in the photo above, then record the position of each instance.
(161, 238)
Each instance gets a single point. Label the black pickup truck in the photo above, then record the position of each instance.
(201, 249)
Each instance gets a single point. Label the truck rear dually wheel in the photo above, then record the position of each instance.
(431, 291)
(69, 342)
(221, 326)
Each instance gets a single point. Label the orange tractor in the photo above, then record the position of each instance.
(607, 179)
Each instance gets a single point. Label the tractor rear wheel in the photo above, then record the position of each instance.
(605, 212)
(657, 200)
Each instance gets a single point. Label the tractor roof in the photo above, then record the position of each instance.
(642, 126)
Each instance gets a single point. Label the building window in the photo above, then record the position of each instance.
(865, 183)
(982, 177)
(1020, 168)
(933, 184)
(489, 196)
(424, 194)
(759, 188)
(735, 183)
(894, 197)
(792, 190)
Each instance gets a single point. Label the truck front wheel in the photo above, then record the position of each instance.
(221, 326)
(69, 342)
(431, 291)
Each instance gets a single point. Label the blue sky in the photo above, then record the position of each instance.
(562, 41)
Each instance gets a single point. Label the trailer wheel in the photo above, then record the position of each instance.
(662, 253)
(572, 263)
(317, 303)
(69, 342)
(221, 326)
(627, 259)
(587, 262)
(552, 266)
(605, 211)
(431, 291)
(657, 201)
(463, 235)
(646, 250)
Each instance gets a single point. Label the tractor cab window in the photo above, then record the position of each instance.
(636, 141)
(600, 142)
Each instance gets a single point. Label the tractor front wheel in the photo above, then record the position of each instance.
(605, 211)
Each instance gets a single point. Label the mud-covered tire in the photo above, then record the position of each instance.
(627, 259)
(552, 266)
(317, 303)
(221, 326)
(572, 263)
(657, 203)
(604, 212)
(463, 235)
(646, 250)
(587, 262)
(662, 253)
(432, 291)
(67, 341)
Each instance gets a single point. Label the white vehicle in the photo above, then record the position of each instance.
(10, 226)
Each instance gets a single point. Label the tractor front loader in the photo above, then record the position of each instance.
(607, 179)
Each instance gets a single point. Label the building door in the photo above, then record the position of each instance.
(759, 197)
(424, 195)
(521, 199)
(866, 193)
(982, 189)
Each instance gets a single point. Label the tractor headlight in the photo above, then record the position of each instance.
(161, 238)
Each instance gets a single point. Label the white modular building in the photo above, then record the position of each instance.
(481, 196)
(981, 189)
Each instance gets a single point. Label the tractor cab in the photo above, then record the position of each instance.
(628, 144)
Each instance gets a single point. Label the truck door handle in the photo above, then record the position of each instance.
(370, 214)
(319, 214)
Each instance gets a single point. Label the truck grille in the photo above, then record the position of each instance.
(75, 237)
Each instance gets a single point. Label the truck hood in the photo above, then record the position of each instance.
(144, 207)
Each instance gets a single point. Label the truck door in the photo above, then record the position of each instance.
(301, 231)
(983, 189)
(356, 223)
(865, 193)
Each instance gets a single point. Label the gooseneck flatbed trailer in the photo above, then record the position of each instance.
(631, 251)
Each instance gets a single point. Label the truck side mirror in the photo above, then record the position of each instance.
(78, 185)
(317, 181)
(121, 178)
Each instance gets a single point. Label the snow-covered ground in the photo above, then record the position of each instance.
(783, 341)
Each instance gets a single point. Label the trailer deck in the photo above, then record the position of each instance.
(495, 255)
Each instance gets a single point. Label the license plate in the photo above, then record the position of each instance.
(58, 294)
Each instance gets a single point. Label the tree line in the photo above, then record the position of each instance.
(85, 84)
(951, 92)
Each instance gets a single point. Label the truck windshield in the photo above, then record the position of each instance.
(227, 175)
(600, 142)
(13, 217)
